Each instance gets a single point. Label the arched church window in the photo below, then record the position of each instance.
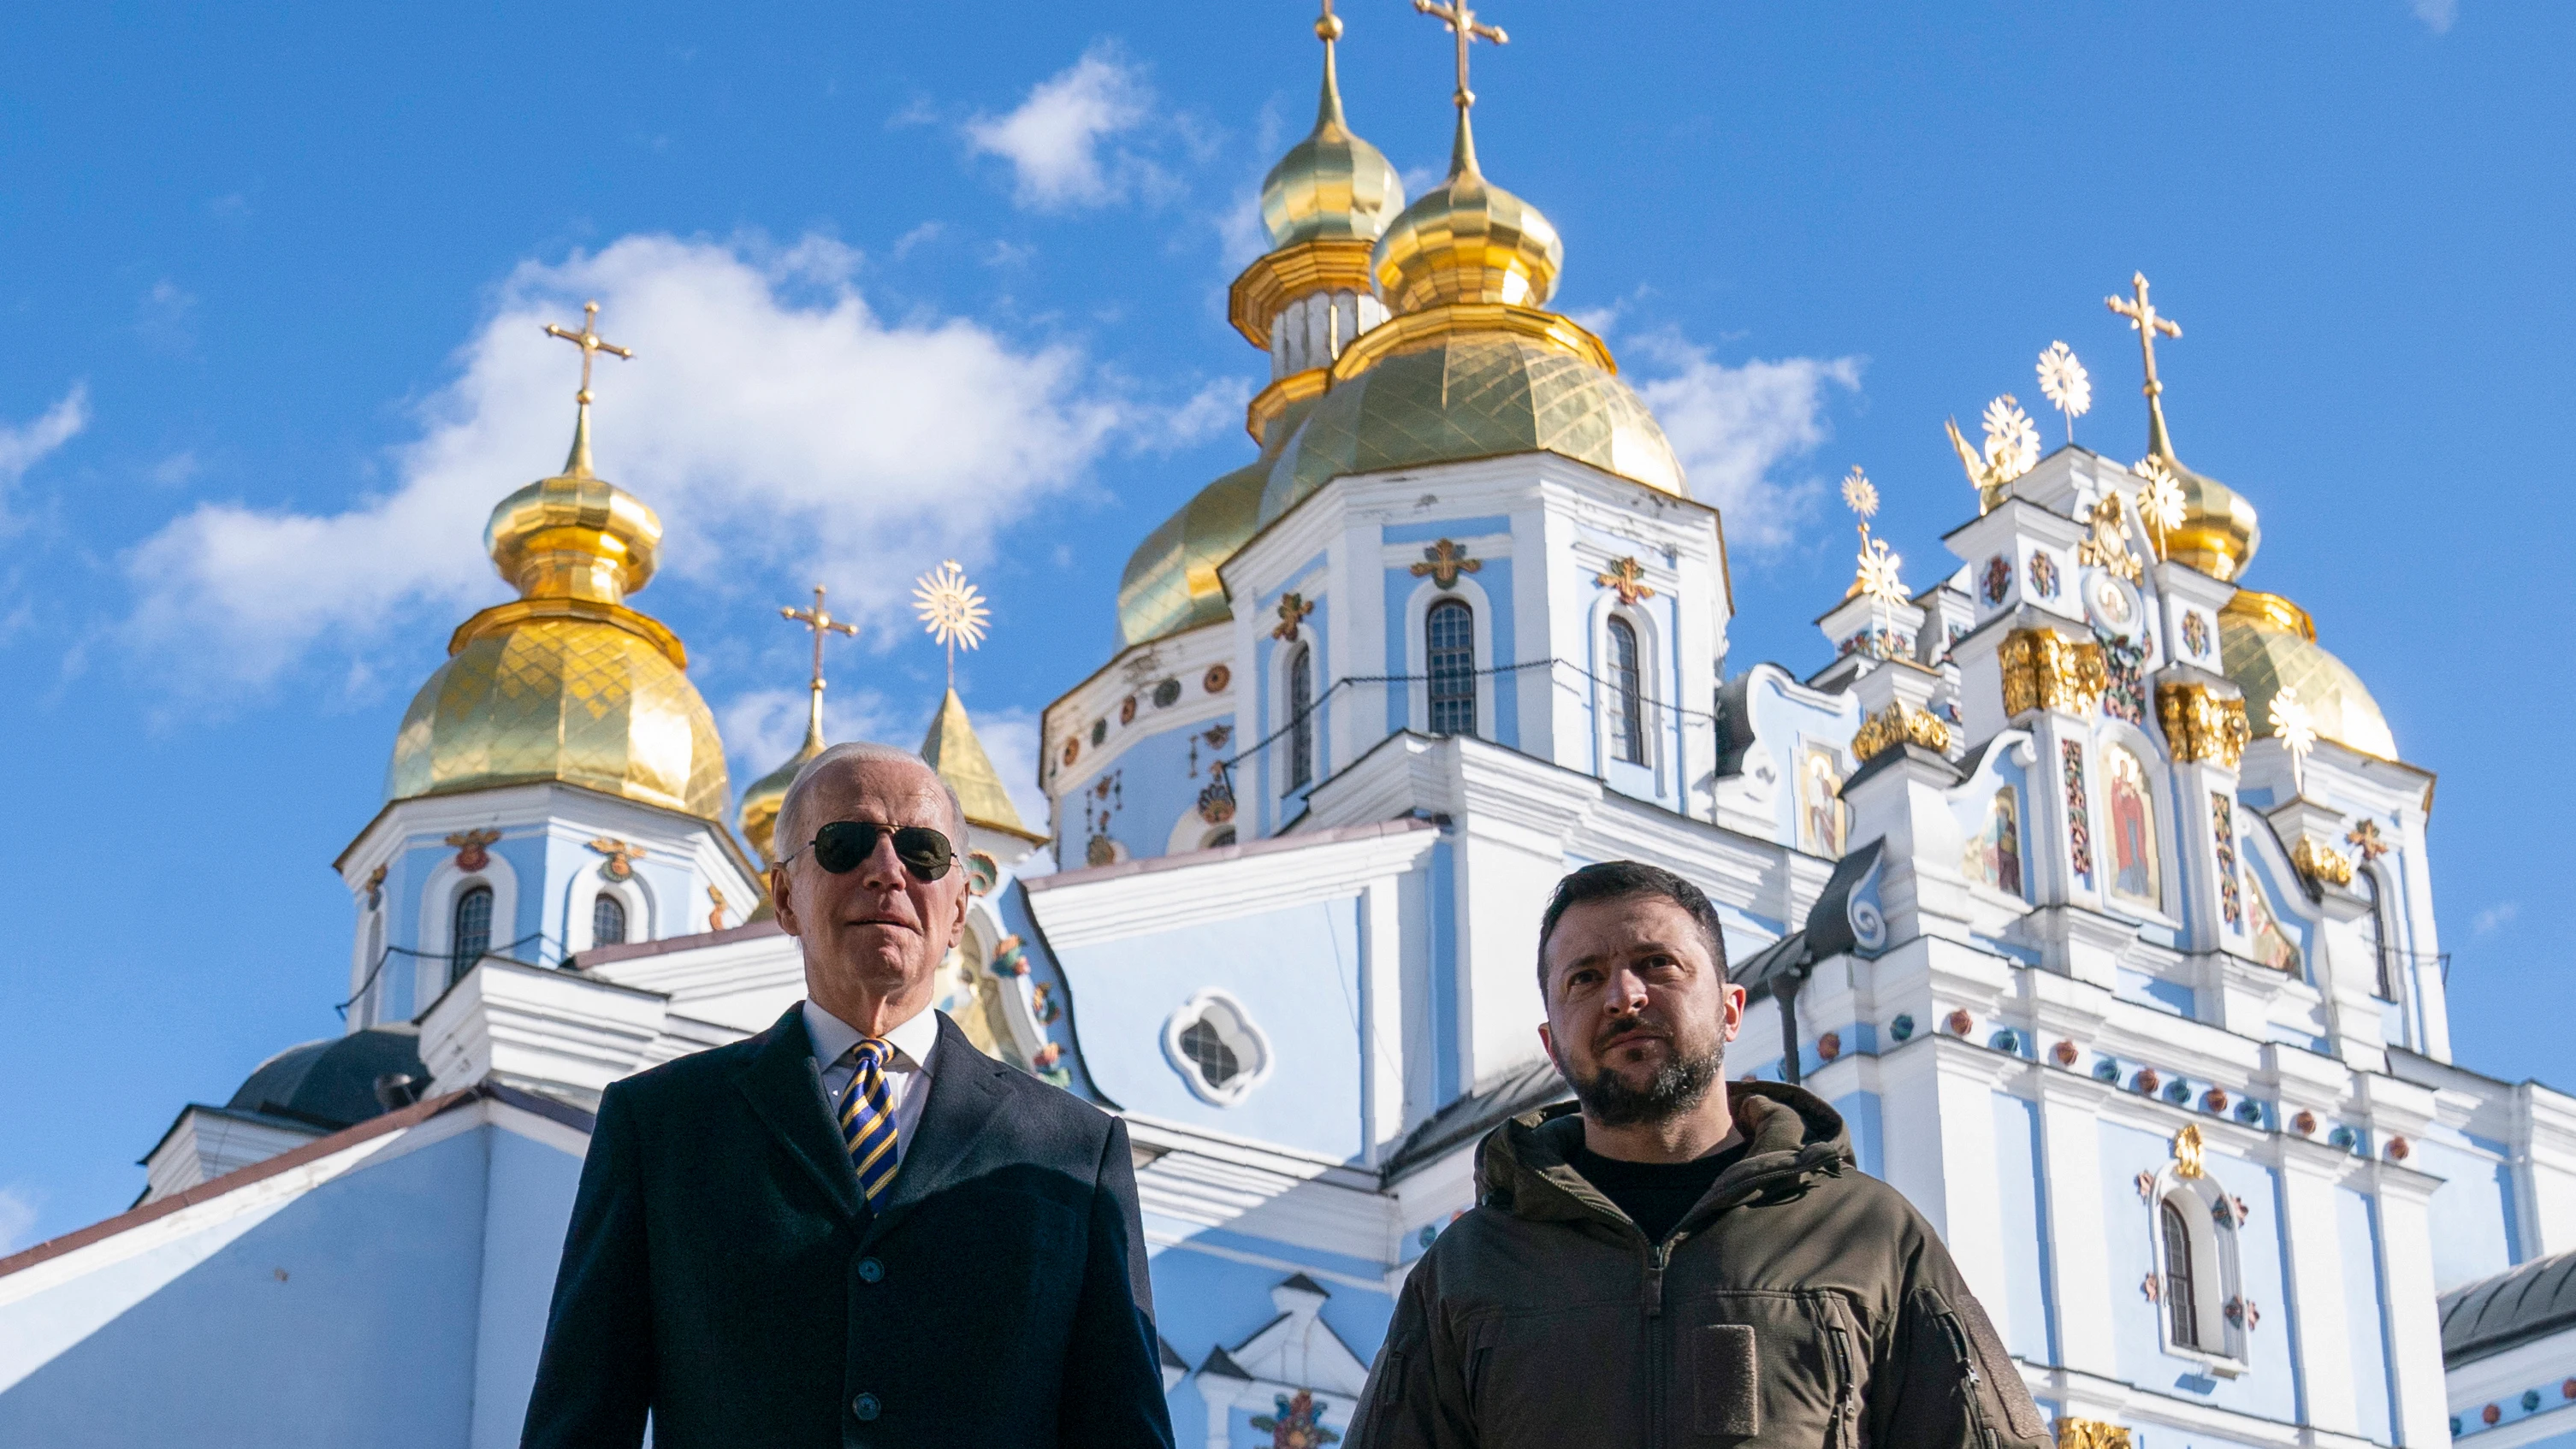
(1450, 648)
(2374, 937)
(471, 934)
(2182, 1287)
(1627, 700)
(1216, 1048)
(607, 921)
(2133, 828)
(1301, 721)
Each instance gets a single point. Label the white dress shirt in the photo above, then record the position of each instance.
(907, 1076)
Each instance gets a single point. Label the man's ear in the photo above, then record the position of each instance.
(781, 902)
(1547, 1042)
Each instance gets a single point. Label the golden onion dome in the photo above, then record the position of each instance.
(2268, 644)
(758, 815)
(565, 682)
(1464, 394)
(1331, 185)
(2220, 530)
(1171, 582)
(1467, 240)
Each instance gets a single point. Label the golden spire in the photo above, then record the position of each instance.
(819, 620)
(1328, 107)
(1462, 23)
(591, 344)
(2142, 315)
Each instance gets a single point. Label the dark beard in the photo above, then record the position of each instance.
(1680, 1084)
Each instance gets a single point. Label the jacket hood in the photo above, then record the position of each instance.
(1791, 1136)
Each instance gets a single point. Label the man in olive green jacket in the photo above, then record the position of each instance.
(1675, 1264)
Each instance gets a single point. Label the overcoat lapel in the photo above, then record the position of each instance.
(787, 1092)
(963, 1097)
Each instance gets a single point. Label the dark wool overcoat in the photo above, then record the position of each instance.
(724, 1273)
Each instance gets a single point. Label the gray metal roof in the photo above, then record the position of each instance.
(2509, 1309)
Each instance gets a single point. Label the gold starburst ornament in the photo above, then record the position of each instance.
(2066, 385)
(952, 610)
(1860, 495)
(2160, 500)
(1878, 576)
(2297, 731)
(2012, 440)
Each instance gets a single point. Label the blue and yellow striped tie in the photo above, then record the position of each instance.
(867, 1120)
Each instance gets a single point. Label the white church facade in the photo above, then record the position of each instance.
(2086, 885)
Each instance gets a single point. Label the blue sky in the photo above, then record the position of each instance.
(929, 281)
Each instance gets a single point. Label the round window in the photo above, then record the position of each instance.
(1214, 1045)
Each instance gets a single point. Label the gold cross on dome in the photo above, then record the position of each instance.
(1444, 562)
(2142, 314)
(820, 620)
(1628, 578)
(590, 343)
(1462, 22)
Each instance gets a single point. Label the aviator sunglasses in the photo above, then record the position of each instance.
(844, 845)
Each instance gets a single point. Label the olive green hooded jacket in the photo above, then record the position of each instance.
(1800, 1303)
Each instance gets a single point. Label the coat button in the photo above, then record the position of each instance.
(866, 1407)
(871, 1271)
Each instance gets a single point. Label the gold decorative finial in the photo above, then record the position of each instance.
(2190, 1153)
(1328, 27)
(591, 344)
(951, 610)
(1877, 575)
(2143, 316)
(1462, 23)
(2160, 500)
(820, 620)
(2012, 449)
(2296, 729)
(2066, 385)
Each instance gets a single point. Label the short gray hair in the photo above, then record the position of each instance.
(791, 834)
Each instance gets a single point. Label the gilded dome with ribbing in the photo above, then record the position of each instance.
(1472, 394)
(1331, 185)
(2268, 644)
(1467, 240)
(1171, 582)
(566, 683)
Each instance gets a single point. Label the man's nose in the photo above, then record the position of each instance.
(883, 869)
(1627, 994)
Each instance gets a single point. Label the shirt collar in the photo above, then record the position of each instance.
(832, 1038)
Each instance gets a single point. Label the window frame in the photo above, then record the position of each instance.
(1250, 1043)
(1432, 650)
(1627, 685)
(458, 961)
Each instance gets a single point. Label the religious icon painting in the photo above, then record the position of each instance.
(2133, 828)
(2079, 812)
(1820, 800)
(2043, 574)
(1999, 573)
(2272, 945)
(2195, 633)
(1994, 852)
(1127, 710)
(2231, 900)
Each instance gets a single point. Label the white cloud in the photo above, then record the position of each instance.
(1733, 428)
(17, 1219)
(24, 445)
(775, 422)
(1056, 138)
(166, 318)
(2437, 15)
(2494, 918)
(175, 470)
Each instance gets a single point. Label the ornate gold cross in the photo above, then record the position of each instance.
(1444, 562)
(1293, 609)
(1628, 577)
(820, 620)
(590, 343)
(2142, 314)
(620, 864)
(1462, 23)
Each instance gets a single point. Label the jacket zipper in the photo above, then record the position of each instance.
(1658, 1378)
(1843, 1434)
(1969, 1378)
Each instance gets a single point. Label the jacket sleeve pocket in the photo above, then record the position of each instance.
(2019, 1412)
(1725, 1373)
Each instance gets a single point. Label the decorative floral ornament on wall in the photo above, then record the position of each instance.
(1297, 1425)
(473, 848)
(1627, 578)
(622, 856)
(2079, 812)
(1444, 562)
(1293, 609)
(2066, 385)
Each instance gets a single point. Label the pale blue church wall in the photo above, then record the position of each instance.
(527, 935)
(1264, 776)
(1864, 1117)
(2365, 1308)
(2270, 1388)
(370, 1337)
(530, 1193)
(2030, 1324)
(1275, 963)
(2474, 1231)
(2297, 927)
(1154, 789)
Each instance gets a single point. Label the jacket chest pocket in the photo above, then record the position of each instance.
(1556, 1377)
(1767, 1368)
